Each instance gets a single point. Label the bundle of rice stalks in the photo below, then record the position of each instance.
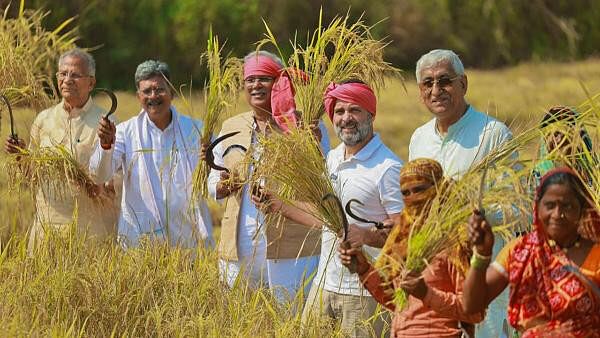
(28, 56)
(444, 229)
(53, 171)
(220, 93)
(294, 166)
(334, 53)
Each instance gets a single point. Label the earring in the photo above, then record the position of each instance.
(562, 215)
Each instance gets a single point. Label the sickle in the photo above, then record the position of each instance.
(210, 156)
(113, 101)
(13, 134)
(234, 146)
(378, 225)
(338, 203)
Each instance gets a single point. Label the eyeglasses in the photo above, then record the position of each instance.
(159, 91)
(74, 76)
(443, 82)
(262, 79)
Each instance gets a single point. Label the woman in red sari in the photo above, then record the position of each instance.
(553, 272)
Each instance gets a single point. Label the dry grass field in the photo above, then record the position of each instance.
(90, 290)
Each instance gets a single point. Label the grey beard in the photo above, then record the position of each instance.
(362, 132)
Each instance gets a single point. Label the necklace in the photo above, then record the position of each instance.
(566, 248)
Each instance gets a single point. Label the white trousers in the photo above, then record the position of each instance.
(284, 277)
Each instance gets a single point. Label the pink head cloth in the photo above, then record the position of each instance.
(357, 93)
(283, 106)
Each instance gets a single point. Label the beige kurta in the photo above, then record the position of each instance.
(78, 134)
(285, 239)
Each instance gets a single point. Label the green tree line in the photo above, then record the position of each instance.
(486, 33)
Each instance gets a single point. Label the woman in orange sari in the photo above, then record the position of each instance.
(553, 272)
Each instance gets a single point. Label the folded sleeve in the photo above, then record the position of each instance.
(448, 304)
(383, 294)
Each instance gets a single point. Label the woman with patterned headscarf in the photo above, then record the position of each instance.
(565, 135)
(434, 308)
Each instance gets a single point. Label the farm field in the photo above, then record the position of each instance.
(74, 289)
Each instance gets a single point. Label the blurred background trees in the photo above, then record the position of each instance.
(486, 33)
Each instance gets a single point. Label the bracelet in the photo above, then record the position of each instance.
(480, 262)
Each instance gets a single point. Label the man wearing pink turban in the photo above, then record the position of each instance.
(284, 256)
(361, 168)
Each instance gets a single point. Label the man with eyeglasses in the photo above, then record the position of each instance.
(71, 123)
(458, 137)
(158, 152)
(281, 257)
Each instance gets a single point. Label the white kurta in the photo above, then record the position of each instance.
(157, 166)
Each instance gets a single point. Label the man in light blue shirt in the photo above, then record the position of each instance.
(458, 137)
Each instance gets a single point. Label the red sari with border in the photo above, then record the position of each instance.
(549, 295)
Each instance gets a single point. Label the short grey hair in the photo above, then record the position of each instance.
(149, 69)
(82, 55)
(437, 56)
(264, 53)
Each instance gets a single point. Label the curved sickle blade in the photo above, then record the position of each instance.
(113, 101)
(13, 134)
(338, 203)
(234, 146)
(378, 225)
(210, 156)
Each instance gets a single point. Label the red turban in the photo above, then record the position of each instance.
(357, 93)
(283, 106)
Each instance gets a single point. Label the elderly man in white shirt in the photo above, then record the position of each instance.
(457, 137)
(361, 168)
(157, 150)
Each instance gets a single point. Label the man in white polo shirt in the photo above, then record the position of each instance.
(361, 168)
(457, 137)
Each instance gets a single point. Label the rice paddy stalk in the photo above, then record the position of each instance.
(221, 92)
(53, 171)
(29, 55)
(294, 166)
(340, 51)
(74, 286)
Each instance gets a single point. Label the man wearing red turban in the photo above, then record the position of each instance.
(284, 259)
(361, 168)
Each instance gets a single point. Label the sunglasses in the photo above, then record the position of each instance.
(442, 82)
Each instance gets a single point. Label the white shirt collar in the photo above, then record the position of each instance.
(365, 152)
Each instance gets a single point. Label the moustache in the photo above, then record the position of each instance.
(351, 124)
(153, 102)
